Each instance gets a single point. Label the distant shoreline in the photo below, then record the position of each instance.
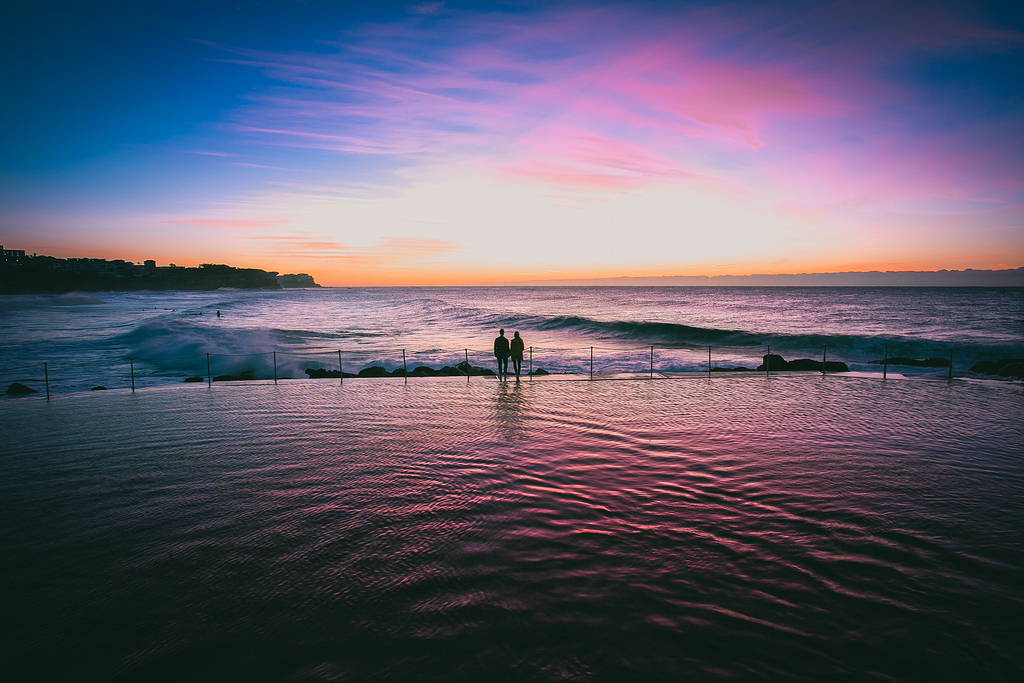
(21, 273)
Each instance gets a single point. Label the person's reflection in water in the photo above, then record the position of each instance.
(511, 410)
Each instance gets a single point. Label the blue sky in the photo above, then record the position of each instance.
(375, 143)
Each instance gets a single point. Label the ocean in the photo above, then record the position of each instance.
(88, 340)
(657, 523)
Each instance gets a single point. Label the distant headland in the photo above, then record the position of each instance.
(22, 273)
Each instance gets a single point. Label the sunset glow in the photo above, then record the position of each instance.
(463, 143)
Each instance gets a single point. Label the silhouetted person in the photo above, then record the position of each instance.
(218, 314)
(516, 348)
(501, 353)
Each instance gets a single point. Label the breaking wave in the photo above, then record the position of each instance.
(19, 301)
(179, 346)
(676, 334)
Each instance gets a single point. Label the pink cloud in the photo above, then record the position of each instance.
(614, 98)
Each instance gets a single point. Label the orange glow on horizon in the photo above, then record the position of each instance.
(409, 264)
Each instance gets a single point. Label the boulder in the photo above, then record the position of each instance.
(474, 371)
(772, 362)
(449, 371)
(320, 373)
(1007, 367)
(540, 372)
(374, 371)
(99, 388)
(240, 377)
(194, 379)
(423, 371)
(779, 363)
(736, 369)
(19, 389)
(1012, 370)
(985, 367)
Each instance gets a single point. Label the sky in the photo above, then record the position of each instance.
(468, 142)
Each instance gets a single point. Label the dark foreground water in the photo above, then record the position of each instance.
(739, 528)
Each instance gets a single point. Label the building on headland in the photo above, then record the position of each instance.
(12, 257)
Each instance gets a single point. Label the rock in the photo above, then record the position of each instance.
(423, 371)
(914, 362)
(736, 369)
(99, 388)
(19, 389)
(194, 379)
(474, 371)
(320, 373)
(449, 371)
(1007, 367)
(374, 371)
(779, 363)
(540, 372)
(773, 362)
(1012, 370)
(240, 377)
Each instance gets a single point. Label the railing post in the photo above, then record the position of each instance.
(132, 361)
(824, 354)
(591, 362)
(405, 367)
(275, 367)
(885, 363)
(709, 362)
(768, 362)
(652, 361)
(46, 373)
(467, 365)
(951, 362)
(531, 363)
(209, 377)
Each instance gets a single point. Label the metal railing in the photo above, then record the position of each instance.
(590, 362)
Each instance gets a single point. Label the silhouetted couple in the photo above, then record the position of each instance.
(502, 350)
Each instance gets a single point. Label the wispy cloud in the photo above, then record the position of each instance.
(239, 225)
(613, 98)
(388, 253)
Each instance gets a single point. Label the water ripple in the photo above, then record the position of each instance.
(791, 528)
